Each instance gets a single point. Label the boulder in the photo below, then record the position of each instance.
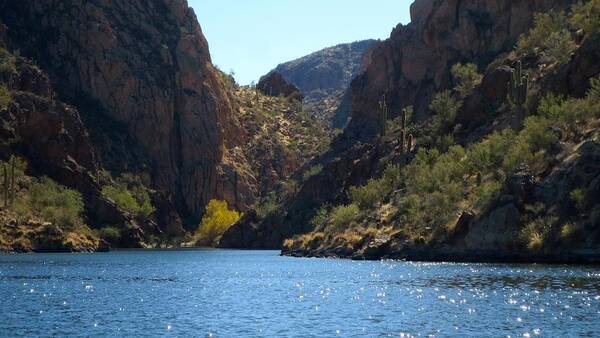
(273, 84)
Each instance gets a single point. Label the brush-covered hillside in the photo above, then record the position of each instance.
(500, 163)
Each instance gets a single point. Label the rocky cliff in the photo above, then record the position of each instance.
(52, 137)
(409, 69)
(415, 62)
(141, 67)
(324, 76)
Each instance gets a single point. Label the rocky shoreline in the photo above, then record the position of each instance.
(451, 255)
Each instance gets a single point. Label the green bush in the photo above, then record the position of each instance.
(466, 78)
(558, 47)
(586, 16)
(368, 195)
(110, 234)
(56, 203)
(569, 113)
(130, 195)
(217, 219)
(593, 95)
(549, 32)
(445, 108)
(536, 232)
(8, 61)
(392, 177)
(319, 221)
(579, 197)
(123, 198)
(267, 206)
(312, 171)
(5, 96)
(488, 155)
(342, 215)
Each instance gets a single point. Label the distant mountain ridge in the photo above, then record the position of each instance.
(324, 76)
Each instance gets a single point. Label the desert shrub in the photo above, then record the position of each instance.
(368, 195)
(392, 177)
(545, 25)
(558, 47)
(56, 203)
(538, 134)
(586, 16)
(319, 221)
(569, 113)
(488, 155)
(217, 219)
(268, 206)
(289, 187)
(122, 197)
(130, 195)
(569, 230)
(579, 198)
(593, 94)
(342, 215)
(5, 97)
(466, 78)
(445, 108)
(536, 232)
(7, 61)
(531, 145)
(110, 234)
(312, 171)
(482, 194)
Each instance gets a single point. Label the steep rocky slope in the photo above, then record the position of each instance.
(141, 67)
(510, 213)
(53, 139)
(282, 137)
(324, 76)
(414, 63)
(528, 194)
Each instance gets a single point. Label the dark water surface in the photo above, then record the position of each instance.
(259, 294)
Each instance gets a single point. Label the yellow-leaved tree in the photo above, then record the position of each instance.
(217, 219)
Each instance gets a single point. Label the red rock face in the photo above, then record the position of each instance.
(148, 65)
(415, 61)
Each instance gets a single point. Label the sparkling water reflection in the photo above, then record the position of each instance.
(255, 294)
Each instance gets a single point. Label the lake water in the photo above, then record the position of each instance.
(259, 294)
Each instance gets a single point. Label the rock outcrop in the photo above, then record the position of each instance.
(414, 63)
(273, 84)
(324, 76)
(54, 140)
(145, 66)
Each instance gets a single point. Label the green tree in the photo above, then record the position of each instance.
(56, 203)
(466, 78)
(217, 219)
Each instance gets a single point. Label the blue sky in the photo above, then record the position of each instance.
(251, 37)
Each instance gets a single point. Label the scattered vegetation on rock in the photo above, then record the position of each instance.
(42, 215)
(130, 194)
(452, 197)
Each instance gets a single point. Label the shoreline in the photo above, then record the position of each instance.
(421, 256)
(432, 256)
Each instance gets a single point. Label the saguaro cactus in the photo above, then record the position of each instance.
(13, 188)
(517, 94)
(9, 187)
(383, 108)
(5, 185)
(405, 145)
